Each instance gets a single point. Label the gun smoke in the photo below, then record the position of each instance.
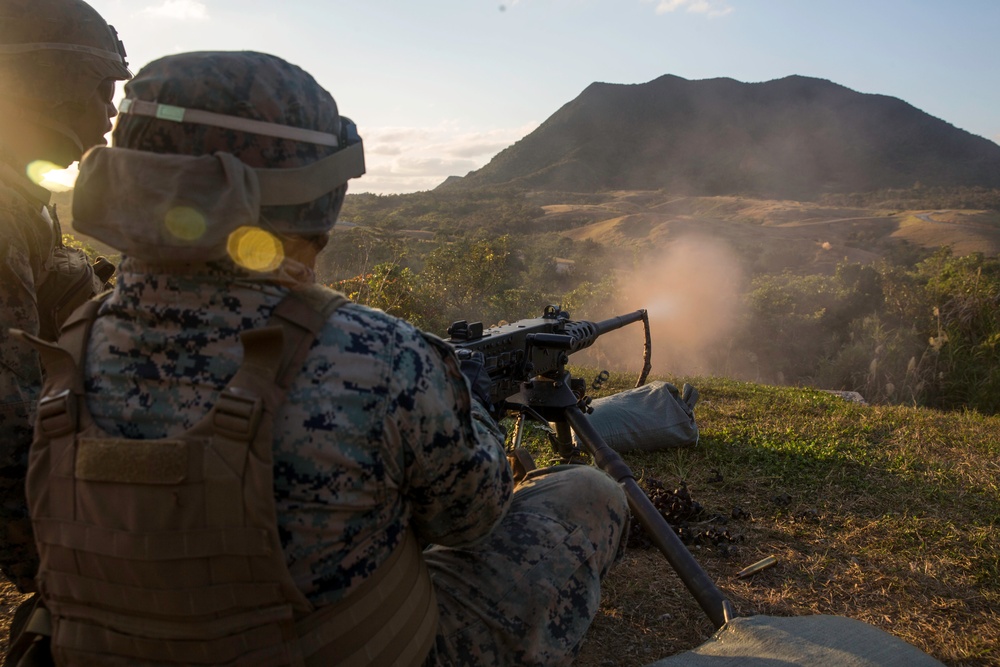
(692, 293)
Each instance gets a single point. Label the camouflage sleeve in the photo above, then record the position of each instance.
(20, 382)
(458, 480)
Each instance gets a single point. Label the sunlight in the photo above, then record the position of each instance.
(185, 223)
(51, 176)
(255, 249)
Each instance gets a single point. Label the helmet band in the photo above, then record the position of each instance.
(199, 117)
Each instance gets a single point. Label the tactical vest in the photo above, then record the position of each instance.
(166, 551)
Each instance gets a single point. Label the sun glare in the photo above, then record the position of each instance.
(255, 249)
(185, 223)
(51, 176)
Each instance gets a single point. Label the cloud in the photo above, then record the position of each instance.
(383, 149)
(432, 166)
(181, 10)
(711, 8)
(481, 148)
(397, 134)
(409, 159)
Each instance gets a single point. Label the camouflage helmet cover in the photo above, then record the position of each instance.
(56, 51)
(244, 84)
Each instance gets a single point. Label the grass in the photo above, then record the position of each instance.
(889, 515)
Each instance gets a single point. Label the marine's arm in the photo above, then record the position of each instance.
(458, 480)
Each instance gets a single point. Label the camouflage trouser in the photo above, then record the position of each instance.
(527, 593)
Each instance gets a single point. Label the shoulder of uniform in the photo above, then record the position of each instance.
(366, 315)
(19, 219)
(321, 298)
(438, 343)
(18, 187)
(375, 321)
(447, 354)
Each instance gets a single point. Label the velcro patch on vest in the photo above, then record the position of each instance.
(131, 461)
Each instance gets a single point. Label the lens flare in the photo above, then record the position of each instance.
(50, 176)
(185, 223)
(255, 249)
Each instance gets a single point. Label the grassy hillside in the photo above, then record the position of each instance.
(888, 515)
(771, 236)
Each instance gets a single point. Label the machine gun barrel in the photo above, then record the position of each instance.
(585, 333)
(613, 323)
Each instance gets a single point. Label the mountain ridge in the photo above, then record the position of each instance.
(796, 137)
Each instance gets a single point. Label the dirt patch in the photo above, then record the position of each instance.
(773, 236)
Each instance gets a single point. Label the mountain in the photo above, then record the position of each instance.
(796, 137)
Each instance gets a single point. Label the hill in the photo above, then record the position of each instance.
(791, 138)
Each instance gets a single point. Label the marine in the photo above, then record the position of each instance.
(266, 473)
(59, 61)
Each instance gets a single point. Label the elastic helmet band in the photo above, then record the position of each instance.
(199, 117)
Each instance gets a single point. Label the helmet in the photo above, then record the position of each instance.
(252, 99)
(56, 51)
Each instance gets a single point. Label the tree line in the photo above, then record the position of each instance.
(926, 333)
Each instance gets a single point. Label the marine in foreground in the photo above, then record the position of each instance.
(265, 473)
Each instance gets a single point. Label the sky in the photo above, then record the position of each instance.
(439, 87)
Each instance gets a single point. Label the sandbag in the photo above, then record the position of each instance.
(808, 641)
(650, 418)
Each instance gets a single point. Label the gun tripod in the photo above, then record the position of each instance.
(559, 399)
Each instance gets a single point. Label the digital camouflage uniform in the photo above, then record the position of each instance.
(25, 239)
(378, 432)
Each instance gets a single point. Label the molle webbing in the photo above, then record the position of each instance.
(166, 551)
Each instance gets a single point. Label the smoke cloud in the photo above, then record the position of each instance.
(692, 294)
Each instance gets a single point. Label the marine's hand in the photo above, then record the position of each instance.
(474, 370)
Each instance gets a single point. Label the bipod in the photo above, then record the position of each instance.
(559, 399)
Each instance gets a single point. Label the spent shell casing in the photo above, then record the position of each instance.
(757, 567)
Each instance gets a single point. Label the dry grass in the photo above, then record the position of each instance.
(9, 599)
(965, 231)
(792, 235)
(888, 515)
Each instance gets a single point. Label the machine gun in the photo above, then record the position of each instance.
(515, 353)
(526, 361)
